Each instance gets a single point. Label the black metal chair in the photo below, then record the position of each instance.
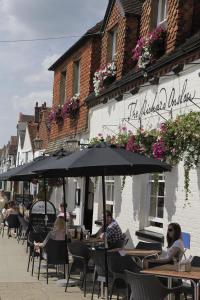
(37, 237)
(148, 287)
(81, 256)
(117, 265)
(11, 222)
(55, 253)
(99, 270)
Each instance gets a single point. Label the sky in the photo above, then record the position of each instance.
(24, 75)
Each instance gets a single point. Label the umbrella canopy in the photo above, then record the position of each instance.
(12, 172)
(102, 160)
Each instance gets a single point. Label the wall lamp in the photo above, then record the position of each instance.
(119, 97)
(154, 80)
(135, 90)
(177, 69)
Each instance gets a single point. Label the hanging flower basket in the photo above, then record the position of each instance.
(175, 141)
(149, 48)
(55, 115)
(104, 76)
(71, 107)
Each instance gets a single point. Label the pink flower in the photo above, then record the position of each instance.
(159, 149)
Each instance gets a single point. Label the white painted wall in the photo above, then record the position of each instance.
(27, 148)
(132, 204)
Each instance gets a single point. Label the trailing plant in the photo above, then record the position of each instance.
(175, 141)
(71, 107)
(55, 114)
(149, 48)
(101, 75)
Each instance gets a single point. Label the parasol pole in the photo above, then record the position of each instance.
(65, 217)
(45, 203)
(105, 237)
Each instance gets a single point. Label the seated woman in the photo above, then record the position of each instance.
(175, 247)
(58, 233)
(12, 209)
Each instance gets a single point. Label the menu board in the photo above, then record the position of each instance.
(26, 200)
(38, 219)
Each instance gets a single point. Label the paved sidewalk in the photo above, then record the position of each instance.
(17, 284)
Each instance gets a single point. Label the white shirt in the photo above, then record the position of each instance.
(177, 244)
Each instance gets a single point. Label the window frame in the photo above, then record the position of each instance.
(62, 91)
(160, 12)
(112, 43)
(156, 219)
(110, 181)
(76, 79)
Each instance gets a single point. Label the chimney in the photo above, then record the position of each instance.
(37, 113)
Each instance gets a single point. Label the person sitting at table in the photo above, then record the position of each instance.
(58, 233)
(175, 247)
(68, 215)
(114, 235)
(12, 209)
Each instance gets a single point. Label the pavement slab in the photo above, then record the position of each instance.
(18, 284)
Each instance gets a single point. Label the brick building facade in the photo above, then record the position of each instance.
(84, 55)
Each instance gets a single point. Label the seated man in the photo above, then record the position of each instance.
(114, 235)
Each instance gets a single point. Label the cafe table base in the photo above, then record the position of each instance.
(170, 272)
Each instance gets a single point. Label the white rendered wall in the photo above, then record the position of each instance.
(173, 93)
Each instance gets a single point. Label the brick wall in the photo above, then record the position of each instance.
(196, 14)
(180, 21)
(89, 55)
(44, 131)
(127, 36)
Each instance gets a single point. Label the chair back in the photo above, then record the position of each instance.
(13, 221)
(23, 223)
(118, 264)
(149, 246)
(195, 261)
(57, 253)
(78, 248)
(145, 287)
(186, 240)
(99, 261)
(36, 236)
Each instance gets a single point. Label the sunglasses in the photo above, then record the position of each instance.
(170, 230)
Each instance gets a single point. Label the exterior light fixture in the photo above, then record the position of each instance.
(154, 80)
(119, 97)
(177, 69)
(135, 90)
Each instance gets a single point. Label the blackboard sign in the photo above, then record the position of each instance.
(26, 200)
(38, 219)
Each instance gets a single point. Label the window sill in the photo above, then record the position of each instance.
(150, 235)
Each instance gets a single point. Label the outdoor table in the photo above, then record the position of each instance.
(136, 252)
(170, 272)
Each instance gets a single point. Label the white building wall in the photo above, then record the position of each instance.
(171, 97)
(27, 148)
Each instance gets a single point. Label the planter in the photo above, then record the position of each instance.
(108, 81)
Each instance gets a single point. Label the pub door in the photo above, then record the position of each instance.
(89, 201)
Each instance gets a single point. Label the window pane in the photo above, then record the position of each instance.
(161, 189)
(76, 78)
(157, 191)
(160, 211)
(112, 44)
(153, 205)
(62, 87)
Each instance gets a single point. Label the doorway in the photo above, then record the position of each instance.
(89, 203)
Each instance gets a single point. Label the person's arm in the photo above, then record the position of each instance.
(166, 260)
(43, 244)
